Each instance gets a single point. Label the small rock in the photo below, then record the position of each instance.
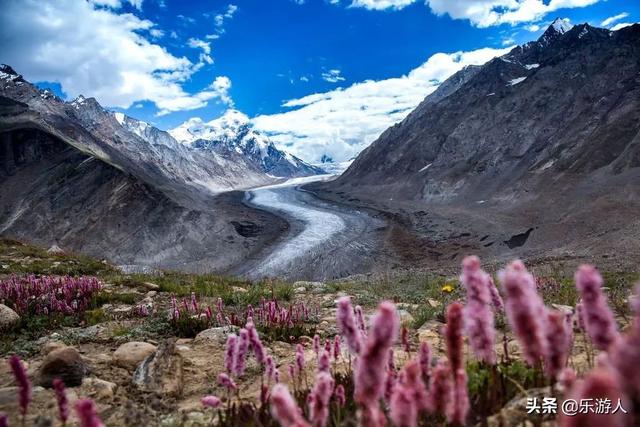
(239, 290)
(151, 294)
(50, 346)
(150, 286)
(9, 319)
(405, 317)
(129, 355)
(218, 335)
(98, 389)
(300, 290)
(64, 363)
(433, 303)
(162, 371)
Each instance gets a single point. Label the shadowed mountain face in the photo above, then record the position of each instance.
(72, 175)
(536, 153)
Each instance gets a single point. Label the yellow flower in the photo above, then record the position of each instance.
(448, 288)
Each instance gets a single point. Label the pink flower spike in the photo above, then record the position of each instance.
(600, 383)
(459, 405)
(336, 347)
(241, 352)
(226, 381)
(453, 335)
(86, 411)
(341, 397)
(230, 353)
(525, 311)
(440, 389)
(284, 408)
(370, 369)
(22, 381)
(347, 324)
(300, 358)
(61, 398)
(478, 316)
(316, 344)
(321, 396)
(324, 362)
(211, 402)
(4, 420)
(424, 357)
(598, 318)
(559, 343)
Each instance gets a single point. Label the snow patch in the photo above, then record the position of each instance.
(119, 117)
(425, 168)
(516, 81)
(531, 66)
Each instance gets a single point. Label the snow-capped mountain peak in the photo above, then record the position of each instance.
(561, 25)
(234, 131)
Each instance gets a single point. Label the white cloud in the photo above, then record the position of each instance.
(382, 4)
(341, 122)
(485, 13)
(332, 76)
(621, 25)
(610, 20)
(220, 18)
(98, 52)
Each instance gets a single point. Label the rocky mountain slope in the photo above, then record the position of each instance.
(536, 153)
(233, 132)
(73, 175)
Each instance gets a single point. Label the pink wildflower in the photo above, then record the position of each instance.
(599, 384)
(319, 399)
(340, 395)
(424, 357)
(478, 319)
(598, 318)
(559, 342)
(22, 381)
(347, 325)
(300, 358)
(61, 398)
(496, 299)
(86, 411)
(324, 362)
(4, 420)
(230, 353)
(270, 367)
(256, 344)
(453, 336)
(409, 396)
(336, 347)
(360, 321)
(241, 352)
(370, 372)
(211, 402)
(226, 381)
(440, 388)
(284, 408)
(316, 344)
(525, 311)
(625, 357)
(459, 405)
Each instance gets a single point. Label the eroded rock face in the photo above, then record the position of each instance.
(162, 371)
(9, 319)
(64, 363)
(129, 355)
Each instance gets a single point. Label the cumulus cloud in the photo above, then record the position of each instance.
(486, 13)
(96, 50)
(342, 122)
(610, 20)
(220, 18)
(382, 4)
(332, 76)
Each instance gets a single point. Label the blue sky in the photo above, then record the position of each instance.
(319, 76)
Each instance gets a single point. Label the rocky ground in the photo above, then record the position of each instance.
(140, 373)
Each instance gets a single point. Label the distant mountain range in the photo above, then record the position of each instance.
(109, 185)
(535, 153)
